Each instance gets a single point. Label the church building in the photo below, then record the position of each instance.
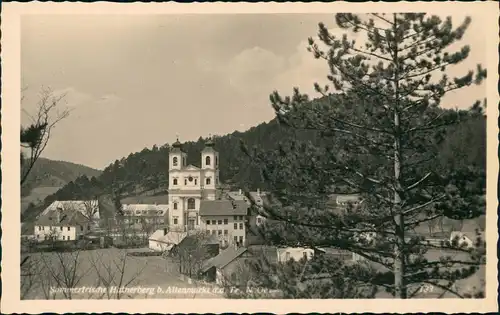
(189, 185)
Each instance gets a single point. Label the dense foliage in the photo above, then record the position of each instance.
(386, 138)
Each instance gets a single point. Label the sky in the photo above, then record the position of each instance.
(135, 81)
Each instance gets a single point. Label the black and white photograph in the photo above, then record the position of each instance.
(330, 155)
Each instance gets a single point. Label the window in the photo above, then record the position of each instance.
(39, 228)
(175, 220)
(175, 181)
(195, 181)
(175, 205)
(219, 222)
(258, 220)
(185, 182)
(216, 161)
(38, 236)
(68, 228)
(207, 160)
(61, 228)
(236, 226)
(241, 239)
(235, 217)
(219, 232)
(190, 178)
(208, 181)
(241, 226)
(174, 161)
(64, 237)
(226, 232)
(213, 232)
(225, 221)
(241, 217)
(208, 222)
(191, 204)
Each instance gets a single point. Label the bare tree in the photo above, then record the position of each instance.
(90, 209)
(112, 273)
(35, 137)
(193, 251)
(59, 273)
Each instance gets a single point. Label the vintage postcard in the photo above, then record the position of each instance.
(249, 157)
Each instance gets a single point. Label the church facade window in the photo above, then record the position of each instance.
(175, 205)
(174, 161)
(191, 204)
(207, 160)
(175, 181)
(208, 181)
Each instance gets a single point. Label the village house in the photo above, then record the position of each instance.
(61, 225)
(225, 219)
(194, 249)
(163, 240)
(153, 214)
(259, 199)
(228, 267)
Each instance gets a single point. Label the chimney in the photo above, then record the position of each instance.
(239, 191)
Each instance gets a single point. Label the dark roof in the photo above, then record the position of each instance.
(223, 207)
(224, 258)
(66, 218)
(195, 239)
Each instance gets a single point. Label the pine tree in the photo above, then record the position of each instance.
(381, 127)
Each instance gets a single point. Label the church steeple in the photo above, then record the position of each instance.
(177, 157)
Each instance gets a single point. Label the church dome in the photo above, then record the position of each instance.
(177, 144)
(209, 143)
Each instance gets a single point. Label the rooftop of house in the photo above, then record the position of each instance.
(144, 209)
(223, 207)
(61, 218)
(172, 237)
(224, 258)
(149, 200)
(258, 196)
(197, 238)
(76, 205)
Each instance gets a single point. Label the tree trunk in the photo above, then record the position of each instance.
(399, 248)
(399, 256)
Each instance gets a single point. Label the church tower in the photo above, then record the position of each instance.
(210, 170)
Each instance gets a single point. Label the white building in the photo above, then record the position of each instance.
(153, 214)
(467, 239)
(188, 185)
(296, 253)
(61, 225)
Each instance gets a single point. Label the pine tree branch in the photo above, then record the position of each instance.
(417, 183)
(382, 18)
